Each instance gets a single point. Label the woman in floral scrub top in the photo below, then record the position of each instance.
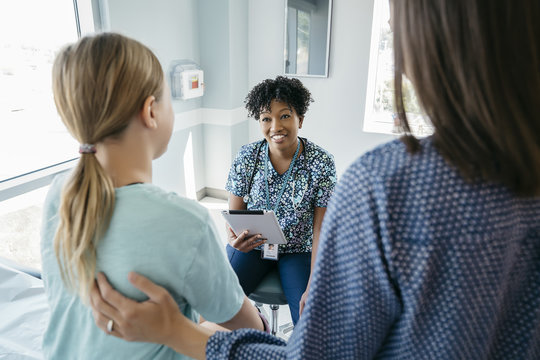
(287, 174)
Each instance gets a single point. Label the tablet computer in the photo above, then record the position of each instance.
(262, 222)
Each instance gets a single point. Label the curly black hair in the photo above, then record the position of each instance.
(288, 90)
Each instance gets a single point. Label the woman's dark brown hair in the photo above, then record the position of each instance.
(475, 66)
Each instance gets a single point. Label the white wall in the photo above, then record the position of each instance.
(168, 28)
(223, 31)
(335, 119)
(208, 138)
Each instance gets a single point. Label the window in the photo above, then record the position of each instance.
(379, 116)
(34, 144)
(302, 40)
(298, 41)
(32, 136)
(20, 222)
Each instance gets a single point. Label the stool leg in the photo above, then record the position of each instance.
(275, 309)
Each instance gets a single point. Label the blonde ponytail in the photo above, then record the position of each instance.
(85, 211)
(99, 84)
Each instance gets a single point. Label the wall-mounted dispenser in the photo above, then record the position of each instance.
(187, 80)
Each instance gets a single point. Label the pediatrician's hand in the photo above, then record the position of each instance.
(154, 320)
(242, 242)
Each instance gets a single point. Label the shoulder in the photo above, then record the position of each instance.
(58, 182)
(161, 204)
(393, 158)
(392, 165)
(316, 150)
(317, 156)
(50, 214)
(249, 149)
(245, 159)
(52, 201)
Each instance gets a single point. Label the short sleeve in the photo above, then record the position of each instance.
(326, 180)
(52, 203)
(211, 273)
(237, 179)
(49, 223)
(245, 344)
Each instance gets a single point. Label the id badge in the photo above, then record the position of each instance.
(270, 252)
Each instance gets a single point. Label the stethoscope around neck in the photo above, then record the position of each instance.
(252, 175)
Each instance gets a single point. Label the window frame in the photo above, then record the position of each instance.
(375, 122)
(387, 122)
(35, 179)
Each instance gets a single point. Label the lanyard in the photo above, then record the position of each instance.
(250, 182)
(252, 174)
(285, 181)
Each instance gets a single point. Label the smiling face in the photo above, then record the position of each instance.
(279, 126)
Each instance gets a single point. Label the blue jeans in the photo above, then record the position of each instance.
(293, 270)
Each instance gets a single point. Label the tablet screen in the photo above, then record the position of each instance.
(262, 222)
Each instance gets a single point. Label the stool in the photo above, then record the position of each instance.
(270, 292)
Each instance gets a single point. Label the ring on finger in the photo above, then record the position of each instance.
(110, 326)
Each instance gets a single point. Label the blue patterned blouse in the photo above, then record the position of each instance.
(310, 185)
(414, 263)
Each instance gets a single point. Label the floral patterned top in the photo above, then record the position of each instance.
(311, 183)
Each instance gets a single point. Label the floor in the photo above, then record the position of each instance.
(215, 206)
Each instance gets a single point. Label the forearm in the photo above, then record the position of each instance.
(247, 317)
(188, 338)
(317, 224)
(314, 247)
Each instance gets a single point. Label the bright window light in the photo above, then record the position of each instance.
(34, 144)
(32, 136)
(380, 112)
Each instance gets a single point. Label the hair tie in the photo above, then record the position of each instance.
(87, 149)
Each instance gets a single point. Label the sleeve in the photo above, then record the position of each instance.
(49, 222)
(211, 273)
(238, 173)
(326, 181)
(50, 214)
(351, 287)
(352, 303)
(245, 344)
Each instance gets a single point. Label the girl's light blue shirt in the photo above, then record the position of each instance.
(169, 239)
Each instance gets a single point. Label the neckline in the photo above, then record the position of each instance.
(299, 157)
(285, 181)
(128, 186)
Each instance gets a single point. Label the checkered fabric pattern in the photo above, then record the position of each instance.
(415, 263)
